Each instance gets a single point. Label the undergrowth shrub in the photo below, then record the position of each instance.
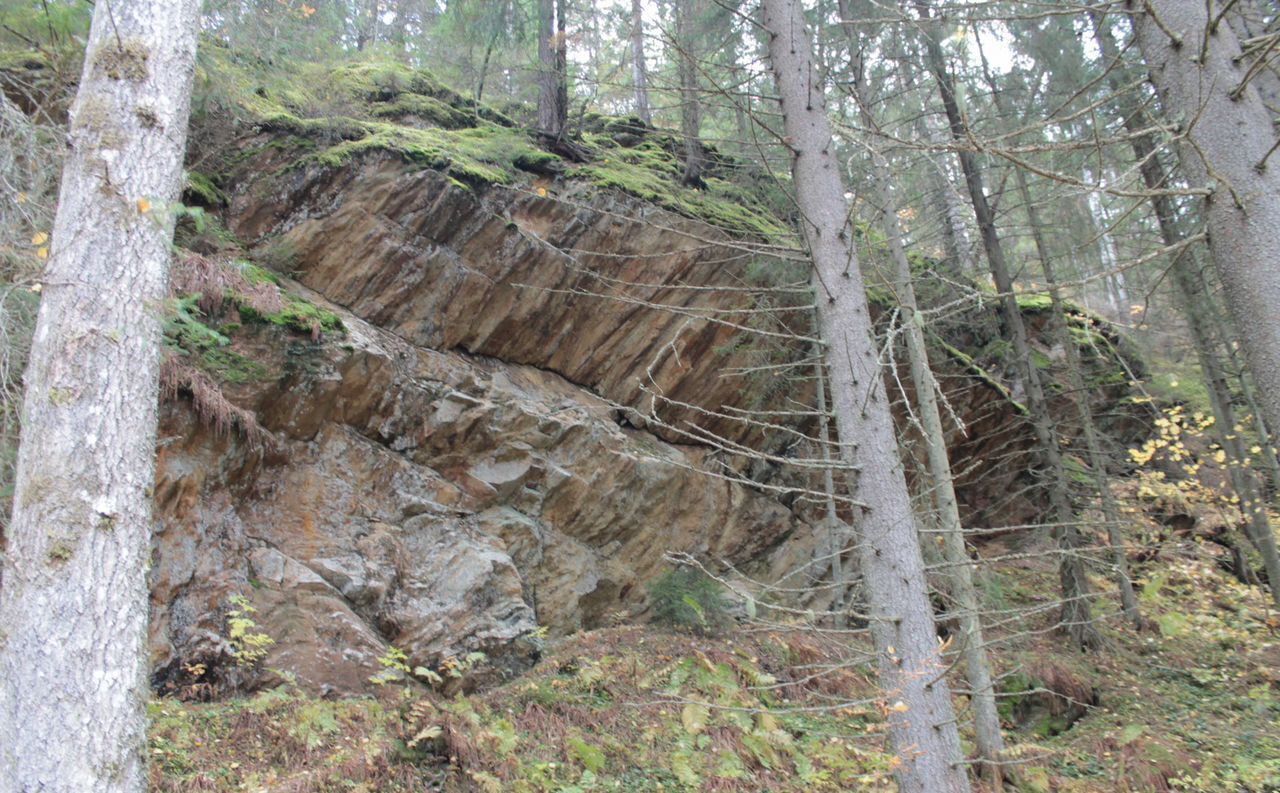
(687, 598)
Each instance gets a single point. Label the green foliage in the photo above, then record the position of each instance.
(374, 106)
(299, 315)
(52, 24)
(591, 757)
(688, 598)
(247, 643)
(202, 188)
(395, 667)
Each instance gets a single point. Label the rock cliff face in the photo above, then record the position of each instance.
(439, 502)
(539, 393)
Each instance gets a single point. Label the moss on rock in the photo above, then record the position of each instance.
(203, 190)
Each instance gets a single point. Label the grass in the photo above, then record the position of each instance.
(1188, 705)
(615, 709)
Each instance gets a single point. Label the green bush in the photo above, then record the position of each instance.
(688, 598)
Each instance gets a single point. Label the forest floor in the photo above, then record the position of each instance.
(1191, 703)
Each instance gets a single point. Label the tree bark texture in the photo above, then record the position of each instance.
(973, 649)
(73, 608)
(1061, 337)
(922, 728)
(1226, 145)
(973, 646)
(1189, 290)
(552, 113)
(690, 92)
(639, 69)
(1075, 382)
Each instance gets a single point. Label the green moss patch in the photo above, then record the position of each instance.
(972, 367)
(367, 107)
(200, 330)
(299, 315)
(203, 190)
(652, 172)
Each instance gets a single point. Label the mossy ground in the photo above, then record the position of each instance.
(361, 108)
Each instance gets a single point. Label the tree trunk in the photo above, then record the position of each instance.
(552, 113)
(1061, 336)
(973, 649)
(1227, 145)
(1190, 289)
(922, 727)
(1230, 337)
(1077, 616)
(562, 64)
(639, 71)
(837, 532)
(369, 31)
(73, 609)
(1075, 382)
(1185, 281)
(690, 93)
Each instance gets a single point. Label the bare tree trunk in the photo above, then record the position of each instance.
(562, 64)
(73, 609)
(1230, 336)
(639, 71)
(1248, 18)
(973, 649)
(1228, 144)
(837, 532)
(1185, 280)
(955, 234)
(690, 93)
(1075, 381)
(484, 68)
(1258, 529)
(1077, 615)
(922, 731)
(368, 32)
(552, 112)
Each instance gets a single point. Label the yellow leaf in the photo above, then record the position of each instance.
(39, 238)
(542, 192)
(43, 253)
(899, 707)
(144, 206)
